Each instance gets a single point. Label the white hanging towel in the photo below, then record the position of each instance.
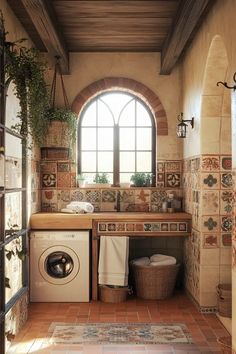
(113, 268)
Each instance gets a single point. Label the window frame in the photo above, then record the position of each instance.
(116, 133)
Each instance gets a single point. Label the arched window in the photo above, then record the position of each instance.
(116, 136)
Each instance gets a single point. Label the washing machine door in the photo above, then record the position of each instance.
(59, 265)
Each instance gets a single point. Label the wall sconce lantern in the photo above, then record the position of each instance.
(182, 126)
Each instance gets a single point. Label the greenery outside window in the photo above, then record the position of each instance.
(116, 136)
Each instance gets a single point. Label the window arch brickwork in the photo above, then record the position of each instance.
(130, 85)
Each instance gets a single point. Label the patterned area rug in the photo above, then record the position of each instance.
(120, 333)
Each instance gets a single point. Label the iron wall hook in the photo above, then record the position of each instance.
(226, 85)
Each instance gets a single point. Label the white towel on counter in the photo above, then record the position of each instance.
(113, 268)
(161, 259)
(77, 207)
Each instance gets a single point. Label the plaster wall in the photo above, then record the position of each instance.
(87, 68)
(197, 101)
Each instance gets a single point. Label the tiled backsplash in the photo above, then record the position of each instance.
(58, 183)
(208, 196)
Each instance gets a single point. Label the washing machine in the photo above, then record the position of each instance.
(59, 266)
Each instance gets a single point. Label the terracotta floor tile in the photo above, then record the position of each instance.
(34, 337)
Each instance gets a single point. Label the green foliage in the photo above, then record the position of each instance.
(101, 178)
(25, 68)
(64, 115)
(141, 179)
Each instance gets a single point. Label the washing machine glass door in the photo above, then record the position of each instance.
(59, 265)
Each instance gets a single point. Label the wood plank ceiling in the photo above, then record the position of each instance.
(63, 26)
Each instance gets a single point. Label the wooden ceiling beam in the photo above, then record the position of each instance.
(189, 17)
(42, 15)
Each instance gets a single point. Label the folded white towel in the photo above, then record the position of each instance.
(141, 261)
(80, 206)
(160, 258)
(162, 263)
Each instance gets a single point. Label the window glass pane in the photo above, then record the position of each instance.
(12, 107)
(105, 138)
(116, 101)
(13, 210)
(13, 267)
(127, 117)
(127, 138)
(88, 161)
(88, 138)
(125, 177)
(143, 117)
(105, 117)
(89, 116)
(105, 161)
(127, 161)
(144, 139)
(144, 162)
(13, 166)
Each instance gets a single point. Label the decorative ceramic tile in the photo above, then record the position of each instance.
(111, 227)
(63, 167)
(93, 196)
(210, 163)
(210, 240)
(155, 207)
(158, 196)
(210, 180)
(127, 196)
(226, 202)
(73, 180)
(64, 195)
(226, 240)
(49, 196)
(139, 227)
(49, 180)
(173, 180)
(108, 196)
(182, 226)
(160, 167)
(226, 180)
(63, 180)
(210, 223)
(147, 227)
(102, 227)
(164, 226)
(226, 223)
(141, 207)
(107, 206)
(173, 227)
(160, 184)
(226, 163)
(77, 195)
(160, 177)
(173, 166)
(120, 227)
(142, 196)
(130, 227)
(48, 167)
(210, 202)
(49, 207)
(195, 164)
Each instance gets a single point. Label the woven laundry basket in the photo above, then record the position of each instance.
(113, 294)
(155, 282)
(224, 292)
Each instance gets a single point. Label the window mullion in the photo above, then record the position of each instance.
(116, 155)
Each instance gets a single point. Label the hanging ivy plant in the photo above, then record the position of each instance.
(63, 114)
(26, 70)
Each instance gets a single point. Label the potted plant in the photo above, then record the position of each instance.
(62, 127)
(141, 179)
(81, 180)
(101, 180)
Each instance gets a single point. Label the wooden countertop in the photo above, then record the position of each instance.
(57, 221)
